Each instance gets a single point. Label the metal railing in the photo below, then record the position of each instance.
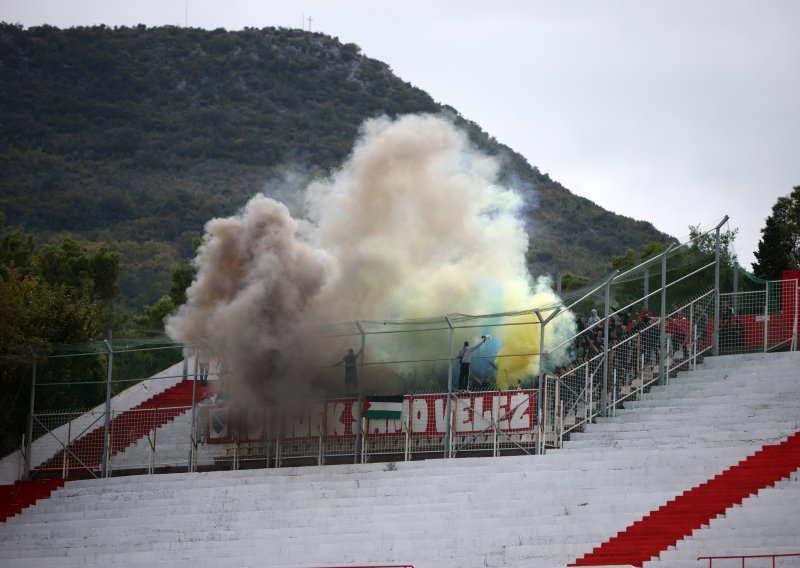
(663, 346)
(488, 422)
(743, 558)
(651, 334)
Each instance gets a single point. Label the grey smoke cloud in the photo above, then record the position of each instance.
(414, 224)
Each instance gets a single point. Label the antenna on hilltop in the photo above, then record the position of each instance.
(309, 23)
(186, 16)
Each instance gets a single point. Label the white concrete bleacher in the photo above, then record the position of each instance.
(167, 446)
(511, 511)
(766, 523)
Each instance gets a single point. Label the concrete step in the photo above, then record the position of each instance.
(531, 511)
(630, 431)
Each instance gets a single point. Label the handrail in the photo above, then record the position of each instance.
(743, 557)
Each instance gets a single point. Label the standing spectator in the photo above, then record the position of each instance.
(350, 371)
(625, 317)
(623, 350)
(465, 356)
(594, 318)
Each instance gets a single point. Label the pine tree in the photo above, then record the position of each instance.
(779, 247)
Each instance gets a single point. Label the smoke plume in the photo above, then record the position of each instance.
(413, 225)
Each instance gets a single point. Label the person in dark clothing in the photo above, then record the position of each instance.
(350, 371)
(625, 317)
(465, 356)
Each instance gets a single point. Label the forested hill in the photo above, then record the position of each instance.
(137, 136)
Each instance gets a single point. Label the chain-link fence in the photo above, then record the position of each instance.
(650, 349)
(536, 376)
(760, 321)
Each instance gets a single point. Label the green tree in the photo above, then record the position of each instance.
(54, 296)
(570, 282)
(680, 262)
(182, 276)
(779, 247)
(35, 317)
(623, 262)
(16, 250)
(71, 264)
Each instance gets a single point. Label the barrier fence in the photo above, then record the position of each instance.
(653, 321)
(792, 559)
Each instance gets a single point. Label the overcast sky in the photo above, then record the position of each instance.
(677, 111)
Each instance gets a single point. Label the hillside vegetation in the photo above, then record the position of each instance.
(137, 136)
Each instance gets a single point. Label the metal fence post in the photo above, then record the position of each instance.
(662, 335)
(193, 426)
(539, 414)
(646, 288)
(794, 324)
(604, 391)
(357, 442)
(692, 338)
(29, 447)
(540, 393)
(363, 343)
(766, 316)
(449, 404)
(715, 349)
(358, 453)
(107, 432)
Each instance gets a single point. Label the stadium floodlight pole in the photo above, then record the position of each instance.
(107, 431)
(604, 391)
(662, 336)
(716, 286)
(29, 441)
(449, 404)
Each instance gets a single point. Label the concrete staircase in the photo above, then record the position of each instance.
(22, 494)
(531, 511)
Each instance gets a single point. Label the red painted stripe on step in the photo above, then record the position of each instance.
(679, 517)
(22, 494)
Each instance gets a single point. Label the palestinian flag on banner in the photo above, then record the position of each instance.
(382, 407)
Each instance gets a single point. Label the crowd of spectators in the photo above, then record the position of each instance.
(633, 338)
